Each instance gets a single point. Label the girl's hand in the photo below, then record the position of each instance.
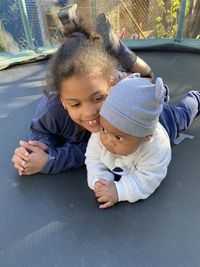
(37, 160)
(106, 193)
(30, 157)
(20, 157)
(37, 157)
(39, 144)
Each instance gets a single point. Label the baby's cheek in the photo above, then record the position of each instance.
(101, 137)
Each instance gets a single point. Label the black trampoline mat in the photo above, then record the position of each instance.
(54, 220)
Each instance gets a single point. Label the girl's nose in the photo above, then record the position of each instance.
(90, 110)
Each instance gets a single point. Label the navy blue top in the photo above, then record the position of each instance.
(52, 126)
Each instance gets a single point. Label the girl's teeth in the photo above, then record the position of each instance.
(91, 122)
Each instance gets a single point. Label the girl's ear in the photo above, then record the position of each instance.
(113, 81)
(148, 138)
(62, 101)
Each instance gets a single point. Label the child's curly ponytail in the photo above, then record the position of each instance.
(81, 53)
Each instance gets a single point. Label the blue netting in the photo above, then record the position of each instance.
(34, 22)
(156, 24)
(13, 25)
(12, 22)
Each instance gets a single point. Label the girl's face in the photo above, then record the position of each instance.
(82, 97)
(118, 142)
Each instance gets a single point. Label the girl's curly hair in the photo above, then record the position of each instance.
(81, 53)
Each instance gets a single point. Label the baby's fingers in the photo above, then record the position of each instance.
(98, 185)
(102, 199)
(98, 193)
(106, 205)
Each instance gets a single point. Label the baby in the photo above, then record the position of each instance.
(132, 145)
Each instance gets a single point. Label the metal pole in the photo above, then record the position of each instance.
(24, 15)
(181, 21)
(92, 5)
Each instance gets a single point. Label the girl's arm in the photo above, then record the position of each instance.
(95, 168)
(52, 160)
(51, 124)
(53, 127)
(63, 158)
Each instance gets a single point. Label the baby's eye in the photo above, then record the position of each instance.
(103, 129)
(119, 138)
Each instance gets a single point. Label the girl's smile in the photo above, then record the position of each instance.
(82, 96)
(92, 123)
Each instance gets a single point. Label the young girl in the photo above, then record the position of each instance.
(55, 143)
(59, 133)
(81, 76)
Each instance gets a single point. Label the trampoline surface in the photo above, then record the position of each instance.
(54, 220)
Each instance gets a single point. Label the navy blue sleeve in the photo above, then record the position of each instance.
(51, 123)
(52, 126)
(64, 158)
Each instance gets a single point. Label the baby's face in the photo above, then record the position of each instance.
(116, 141)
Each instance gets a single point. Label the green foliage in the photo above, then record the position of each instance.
(7, 43)
(167, 23)
(3, 46)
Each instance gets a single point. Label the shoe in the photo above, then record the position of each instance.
(68, 15)
(125, 57)
(167, 97)
(104, 29)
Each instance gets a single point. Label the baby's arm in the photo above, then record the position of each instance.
(95, 168)
(146, 176)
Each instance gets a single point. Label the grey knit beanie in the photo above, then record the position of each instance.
(134, 105)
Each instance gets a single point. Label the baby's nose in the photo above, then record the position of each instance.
(109, 141)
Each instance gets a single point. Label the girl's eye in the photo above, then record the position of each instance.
(119, 138)
(100, 98)
(75, 105)
(104, 130)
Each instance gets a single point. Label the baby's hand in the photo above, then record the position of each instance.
(98, 185)
(106, 193)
